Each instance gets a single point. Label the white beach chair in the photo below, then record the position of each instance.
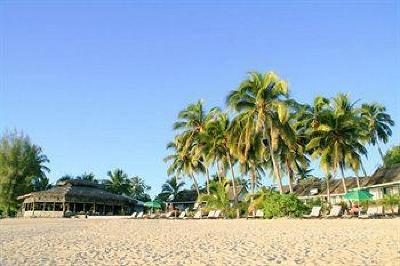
(335, 211)
(211, 215)
(166, 215)
(197, 215)
(217, 214)
(259, 214)
(371, 212)
(315, 212)
(380, 212)
(133, 216)
(182, 215)
(140, 215)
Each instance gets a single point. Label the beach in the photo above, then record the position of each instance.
(199, 242)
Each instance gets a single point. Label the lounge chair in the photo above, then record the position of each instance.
(335, 211)
(166, 215)
(259, 214)
(211, 215)
(256, 214)
(395, 211)
(133, 216)
(182, 215)
(315, 212)
(380, 211)
(371, 212)
(197, 215)
(217, 214)
(140, 215)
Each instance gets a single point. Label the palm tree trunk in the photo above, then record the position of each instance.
(363, 169)
(380, 152)
(358, 179)
(343, 177)
(328, 192)
(289, 170)
(252, 181)
(195, 184)
(273, 159)
(219, 171)
(233, 177)
(235, 198)
(208, 180)
(277, 173)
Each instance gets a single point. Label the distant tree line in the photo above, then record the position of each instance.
(23, 169)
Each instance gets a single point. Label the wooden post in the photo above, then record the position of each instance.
(33, 206)
(54, 206)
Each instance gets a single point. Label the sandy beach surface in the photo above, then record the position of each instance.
(199, 242)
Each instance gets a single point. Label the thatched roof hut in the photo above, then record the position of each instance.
(77, 196)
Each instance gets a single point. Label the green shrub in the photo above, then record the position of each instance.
(283, 205)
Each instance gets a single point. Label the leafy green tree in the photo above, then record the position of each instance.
(20, 163)
(41, 183)
(377, 123)
(218, 197)
(90, 177)
(260, 103)
(172, 187)
(184, 163)
(138, 188)
(392, 156)
(118, 182)
(64, 178)
(191, 124)
(336, 140)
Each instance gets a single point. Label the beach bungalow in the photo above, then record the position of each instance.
(72, 197)
(384, 181)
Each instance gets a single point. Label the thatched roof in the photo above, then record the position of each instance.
(79, 190)
(380, 176)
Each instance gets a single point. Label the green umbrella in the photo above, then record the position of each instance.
(152, 205)
(358, 195)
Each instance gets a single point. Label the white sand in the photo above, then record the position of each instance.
(193, 242)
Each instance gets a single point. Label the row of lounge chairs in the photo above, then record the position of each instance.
(183, 215)
(337, 212)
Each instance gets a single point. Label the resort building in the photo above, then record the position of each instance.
(73, 197)
(384, 181)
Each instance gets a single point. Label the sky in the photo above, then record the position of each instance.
(99, 84)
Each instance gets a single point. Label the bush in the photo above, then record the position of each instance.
(283, 205)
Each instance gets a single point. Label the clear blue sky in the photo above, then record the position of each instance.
(98, 86)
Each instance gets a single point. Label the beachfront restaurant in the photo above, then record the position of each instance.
(74, 197)
(384, 181)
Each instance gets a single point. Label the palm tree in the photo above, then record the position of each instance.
(191, 124)
(88, 177)
(41, 184)
(172, 187)
(184, 163)
(336, 140)
(138, 187)
(64, 178)
(219, 141)
(118, 182)
(377, 123)
(219, 197)
(259, 100)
